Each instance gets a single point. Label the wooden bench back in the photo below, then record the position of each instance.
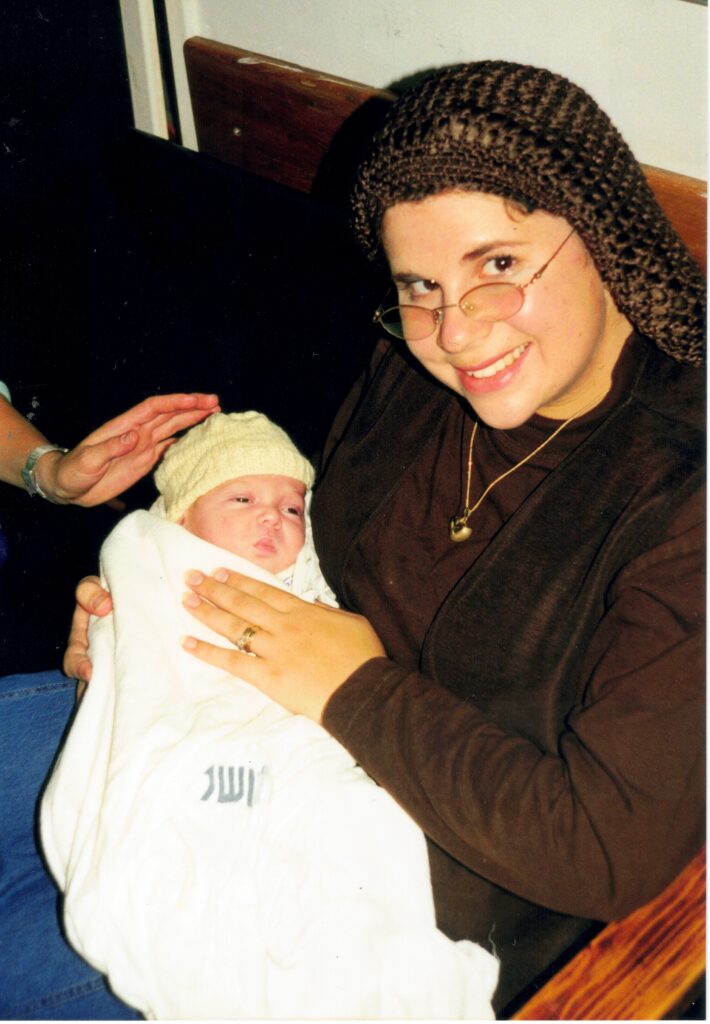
(296, 126)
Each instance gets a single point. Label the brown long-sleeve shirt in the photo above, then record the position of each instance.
(528, 845)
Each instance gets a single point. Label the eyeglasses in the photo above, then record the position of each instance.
(488, 302)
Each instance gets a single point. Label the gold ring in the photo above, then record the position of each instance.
(246, 636)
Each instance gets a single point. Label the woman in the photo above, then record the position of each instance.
(510, 508)
(535, 698)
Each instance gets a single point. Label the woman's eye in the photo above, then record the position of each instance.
(498, 265)
(411, 290)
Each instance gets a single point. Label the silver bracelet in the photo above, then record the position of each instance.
(29, 475)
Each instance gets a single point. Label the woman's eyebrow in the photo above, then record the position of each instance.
(468, 257)
(406, 278)
(486, 247)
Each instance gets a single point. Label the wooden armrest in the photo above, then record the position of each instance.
(648, 966)
(281, 120)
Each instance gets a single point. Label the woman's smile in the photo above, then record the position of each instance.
(494, 373)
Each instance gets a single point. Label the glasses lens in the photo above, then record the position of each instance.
(492, 301)
(411, 323)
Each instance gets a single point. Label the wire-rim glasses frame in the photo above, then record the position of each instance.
(488, 302)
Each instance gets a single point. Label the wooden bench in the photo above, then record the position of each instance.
(305, 130)
(649, 966)
(297, 126)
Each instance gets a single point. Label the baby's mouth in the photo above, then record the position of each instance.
(499, 365)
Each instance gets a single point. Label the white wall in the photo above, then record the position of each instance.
(645, 61)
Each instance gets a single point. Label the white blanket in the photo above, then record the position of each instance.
(220, 857)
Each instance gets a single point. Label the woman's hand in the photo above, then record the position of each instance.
(304, 651)
(114, 457)
(91, 599)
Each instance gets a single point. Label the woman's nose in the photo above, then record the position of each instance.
(457, 330)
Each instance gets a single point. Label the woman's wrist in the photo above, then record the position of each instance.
(45, 473)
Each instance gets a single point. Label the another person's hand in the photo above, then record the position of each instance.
(114, 457)
(304, 651)
(91, 599)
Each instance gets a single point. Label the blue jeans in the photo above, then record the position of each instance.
(41, 977)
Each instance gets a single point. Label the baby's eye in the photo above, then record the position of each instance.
(294, 510)
(241, 499)
(499, 265)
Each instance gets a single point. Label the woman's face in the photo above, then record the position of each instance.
(555, 356)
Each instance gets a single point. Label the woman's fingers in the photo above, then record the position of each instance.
(226, 658)
(228, 624)
(249, 599)
(92, 597)
(170, 424)
(182, 409)
(76, 663)
(304, 651)
(267, 675)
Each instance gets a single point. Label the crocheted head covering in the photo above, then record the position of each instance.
(225, 446)
(530, 135)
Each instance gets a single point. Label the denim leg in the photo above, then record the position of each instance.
(41, 977)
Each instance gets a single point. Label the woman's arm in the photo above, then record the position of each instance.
(109, 460)
(591, 829)
(603, 823)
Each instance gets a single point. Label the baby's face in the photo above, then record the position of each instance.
(259, 517)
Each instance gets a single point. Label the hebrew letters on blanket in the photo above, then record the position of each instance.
(220, 857)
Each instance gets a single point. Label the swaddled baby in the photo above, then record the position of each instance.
(219, 856)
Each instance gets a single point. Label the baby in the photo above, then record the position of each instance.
(220, 857)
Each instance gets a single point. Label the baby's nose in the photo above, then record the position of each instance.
(271, 515)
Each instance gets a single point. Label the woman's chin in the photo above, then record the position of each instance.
(503, 416)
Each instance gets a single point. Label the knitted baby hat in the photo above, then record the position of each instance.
(531, 135)
(225, 446)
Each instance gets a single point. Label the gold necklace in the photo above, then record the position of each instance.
(459, 530)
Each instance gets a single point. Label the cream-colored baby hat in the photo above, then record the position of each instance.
(225, 446)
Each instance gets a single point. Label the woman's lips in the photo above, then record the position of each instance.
(495, 374)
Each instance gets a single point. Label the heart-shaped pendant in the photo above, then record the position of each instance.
(459, 529)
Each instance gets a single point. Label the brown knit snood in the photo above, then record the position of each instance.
(530, 135)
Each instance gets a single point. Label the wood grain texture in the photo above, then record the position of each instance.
(649, 966)
(266, 116)
(684, 201)
(288, 123)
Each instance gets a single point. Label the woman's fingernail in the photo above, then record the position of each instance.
(194, 578)
(189, 643)
(99, 604)
(221, 575)
(191, 600)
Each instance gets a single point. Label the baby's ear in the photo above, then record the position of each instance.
(181, 520)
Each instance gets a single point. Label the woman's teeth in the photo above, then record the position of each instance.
(500, 364)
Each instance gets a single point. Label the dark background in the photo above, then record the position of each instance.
(130, 266)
